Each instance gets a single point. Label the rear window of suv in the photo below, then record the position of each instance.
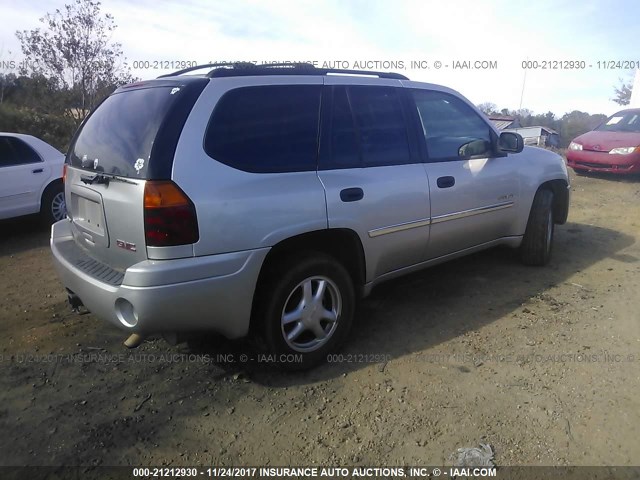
(119, 135)
(264, 129)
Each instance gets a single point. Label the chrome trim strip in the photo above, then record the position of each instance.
(376, 232)
(468, 213)
(399, 227)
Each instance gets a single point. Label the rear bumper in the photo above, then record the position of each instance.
(211, 293)
(603, 162)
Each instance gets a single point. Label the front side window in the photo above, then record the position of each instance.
(14, 151)
(452, 129)
(265, 129)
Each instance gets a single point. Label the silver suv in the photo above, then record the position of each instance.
(268, 199)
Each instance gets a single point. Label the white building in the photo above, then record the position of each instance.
(538, 136)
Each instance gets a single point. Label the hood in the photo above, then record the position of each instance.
(605, 141)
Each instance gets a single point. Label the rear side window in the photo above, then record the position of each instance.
(451, 128)
(365, 128)
(380, 122)
(119, 135)
(14, 151)
(265, 129)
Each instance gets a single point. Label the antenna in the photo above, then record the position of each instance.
(524, 80)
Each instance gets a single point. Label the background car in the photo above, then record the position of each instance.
(30, 178)
(614, 146)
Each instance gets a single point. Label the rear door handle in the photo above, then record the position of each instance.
(446, 182)
(351, 194)
(38, 170)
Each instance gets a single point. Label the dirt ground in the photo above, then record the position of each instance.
(541, 363)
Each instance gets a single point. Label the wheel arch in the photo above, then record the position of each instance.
(52, 184)
(560, 190)
(340, 243)
(47, 192)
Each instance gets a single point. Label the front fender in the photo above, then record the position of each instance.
(540, 168)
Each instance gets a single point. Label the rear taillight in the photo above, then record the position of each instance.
(169, 215)
(64, 173)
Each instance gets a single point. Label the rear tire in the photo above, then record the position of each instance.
(538, 237)
(53, 207)
(305, 309)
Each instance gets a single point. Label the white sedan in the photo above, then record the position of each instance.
(30, 178)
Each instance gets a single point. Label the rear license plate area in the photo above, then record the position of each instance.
(88, 214)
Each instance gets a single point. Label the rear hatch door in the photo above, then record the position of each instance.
(128, 140)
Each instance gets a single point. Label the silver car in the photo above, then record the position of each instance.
(268, 199)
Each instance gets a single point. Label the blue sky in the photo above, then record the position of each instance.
(506, 32)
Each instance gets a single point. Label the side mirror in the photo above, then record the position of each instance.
(473, 148)
(510, 142)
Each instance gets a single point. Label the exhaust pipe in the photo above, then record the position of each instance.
(134, 341)
(74, 301)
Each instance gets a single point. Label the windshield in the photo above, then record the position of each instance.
(118, 137)
(622, 122)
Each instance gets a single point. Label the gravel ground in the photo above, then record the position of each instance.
(540, 363)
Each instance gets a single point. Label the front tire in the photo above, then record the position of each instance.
(538, 238)
(306, 310)
(53, 207)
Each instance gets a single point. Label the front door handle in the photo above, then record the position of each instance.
(351, 194)
(37, 170)
(446, 182)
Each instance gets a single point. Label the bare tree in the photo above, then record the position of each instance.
(488, 108)
(75, 49)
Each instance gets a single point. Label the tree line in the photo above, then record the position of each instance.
(568, 127)
(70, 65)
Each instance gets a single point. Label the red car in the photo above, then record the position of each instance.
(614, 146)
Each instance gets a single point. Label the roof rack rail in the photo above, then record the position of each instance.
(241, 69)
(205, 65)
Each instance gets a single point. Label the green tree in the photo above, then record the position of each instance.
(576, 123)
(545, 120)
(36, 92)
(74, 49)
(33, 105)
(623, 93)
(7, 81)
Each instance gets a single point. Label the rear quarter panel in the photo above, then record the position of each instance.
(240, 210)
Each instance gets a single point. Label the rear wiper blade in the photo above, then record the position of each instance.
(103, 178)
(118, 179)
(90, 180)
